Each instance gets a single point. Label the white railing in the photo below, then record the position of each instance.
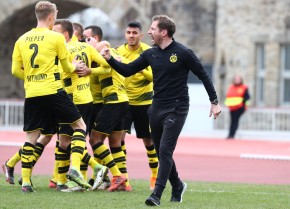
(254, 119)
(11, 114)
(259, 119)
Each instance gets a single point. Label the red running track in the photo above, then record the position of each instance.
(197, 159)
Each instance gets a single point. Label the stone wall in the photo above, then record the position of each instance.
(240, 26)
(195, 21)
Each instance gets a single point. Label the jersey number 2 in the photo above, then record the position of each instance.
(35, 47)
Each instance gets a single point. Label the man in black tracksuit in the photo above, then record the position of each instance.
(170, 62)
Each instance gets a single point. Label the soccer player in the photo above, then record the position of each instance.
(94, 34)
(35, 60)
(78, 87)
(139, 89)
(170, 62)
(42, 141)
(78, 31)
(110, 123)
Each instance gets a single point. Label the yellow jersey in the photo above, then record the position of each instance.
(139, 86)
(113, 84)
(39, 51)
(79, 87)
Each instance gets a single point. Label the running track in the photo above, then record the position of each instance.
(197, 159)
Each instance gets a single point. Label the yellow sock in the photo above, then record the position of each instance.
(103, 152)
(153, 160)
(26, 159)
(15, 158)
(63, 162)
(38, 150)
(77, 148)
(55, 166)
(89, 161)
(84, 170)
(123, 146)
(120, 161)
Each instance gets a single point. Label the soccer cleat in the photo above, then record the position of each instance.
(176, 194)
(152, 183)
(153, 200)
(105, 184)
(100, 176)
(27, 189)
(9, 173)
(71, 186)
(52, 184)
(60, 187)
(117, 181)
(77, 177)
(125, 188)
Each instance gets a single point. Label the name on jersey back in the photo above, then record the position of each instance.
(34, 38)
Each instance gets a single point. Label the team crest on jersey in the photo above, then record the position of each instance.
(173, 58)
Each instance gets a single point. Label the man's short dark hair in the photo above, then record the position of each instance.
(165, 23)
(96, 31)
(135, 24)
(79, 28)
(66, 26)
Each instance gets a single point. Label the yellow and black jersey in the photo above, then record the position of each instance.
(113, 84)
(139, 86)
(96, 89)
(79, 87)
(38, 52)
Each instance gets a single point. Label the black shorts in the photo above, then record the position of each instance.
(85, 110)
(44, 112)
(137, 114)
(111, 118)
(95, 111)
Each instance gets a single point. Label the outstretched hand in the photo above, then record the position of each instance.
(105, 52)
(215, 110)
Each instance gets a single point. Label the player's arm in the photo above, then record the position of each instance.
(17, 69)
(147, 73)
(63, 56)
(17, 63)
(125, 69)
(67, 66)
(96, 57)
(101, 70)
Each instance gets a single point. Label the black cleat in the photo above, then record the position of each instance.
(176, 194)
(27, 189)
(153, 200)
(9, 173)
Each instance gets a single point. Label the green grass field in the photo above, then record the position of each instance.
(199, 195)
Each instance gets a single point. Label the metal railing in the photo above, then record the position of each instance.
(11, 114)
(254, 119)
(258, 119)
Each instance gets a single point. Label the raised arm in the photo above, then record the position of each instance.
(125, 69)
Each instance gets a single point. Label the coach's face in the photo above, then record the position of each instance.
(155, 33)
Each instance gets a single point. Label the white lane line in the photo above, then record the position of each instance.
(264, 157)
(11, 144)
(239, 192)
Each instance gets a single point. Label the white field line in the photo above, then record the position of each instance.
(264, 157)
(11, 144)
(237, 192)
